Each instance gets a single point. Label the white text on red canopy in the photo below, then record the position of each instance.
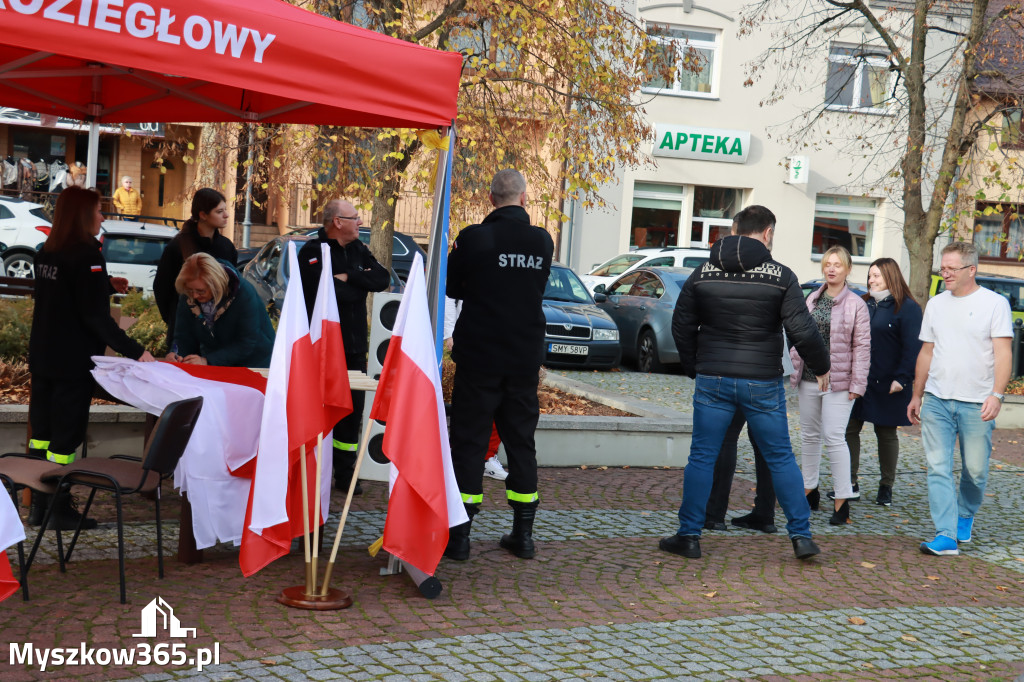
(141, 20)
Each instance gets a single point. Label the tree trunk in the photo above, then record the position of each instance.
(382, 224)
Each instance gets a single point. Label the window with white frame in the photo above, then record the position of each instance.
(858, 79)
(1010, 134)
(843, 221)
(656, 212)
(696, 53)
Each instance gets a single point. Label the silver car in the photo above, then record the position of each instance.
(641, 302)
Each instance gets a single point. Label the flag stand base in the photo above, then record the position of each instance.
(297, 598)
(429, 586)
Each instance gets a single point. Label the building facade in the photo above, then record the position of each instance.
(817, 155)
(151, 153)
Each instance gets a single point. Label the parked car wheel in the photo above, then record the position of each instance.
(19, 265)
(647, 353)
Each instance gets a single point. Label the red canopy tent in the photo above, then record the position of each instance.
(216, 60)
(120, 61)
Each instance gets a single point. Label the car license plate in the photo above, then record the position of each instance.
(567, 349)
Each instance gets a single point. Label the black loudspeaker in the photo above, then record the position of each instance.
(385, 312)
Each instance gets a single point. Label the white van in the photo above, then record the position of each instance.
(659, 257)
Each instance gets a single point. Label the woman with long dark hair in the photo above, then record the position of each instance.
(70, 323)
(200, 234)
(895, 325)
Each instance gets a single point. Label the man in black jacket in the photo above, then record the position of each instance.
(356, 274)
(499, 269)
(728, 326)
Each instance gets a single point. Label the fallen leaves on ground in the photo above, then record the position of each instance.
(857, 620)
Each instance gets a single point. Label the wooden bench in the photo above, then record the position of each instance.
(17, 286)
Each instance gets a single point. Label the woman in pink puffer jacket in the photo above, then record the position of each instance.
(844, 324)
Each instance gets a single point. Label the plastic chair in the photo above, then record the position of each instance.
(124, 475)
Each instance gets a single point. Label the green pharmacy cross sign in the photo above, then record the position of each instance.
(706, 144)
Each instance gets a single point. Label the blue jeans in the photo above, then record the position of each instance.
(941, 422)
(764, 403)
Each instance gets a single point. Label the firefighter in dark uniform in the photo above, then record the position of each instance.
(499, 269)
(356, 274)
(70, 323)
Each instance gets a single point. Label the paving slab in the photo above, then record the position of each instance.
(599, 602)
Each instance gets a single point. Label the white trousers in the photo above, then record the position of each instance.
(823, 420)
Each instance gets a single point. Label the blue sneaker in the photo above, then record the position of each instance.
(940, 546)
(963, 529)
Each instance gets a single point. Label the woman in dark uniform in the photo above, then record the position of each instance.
(201, 234)
(70, 323)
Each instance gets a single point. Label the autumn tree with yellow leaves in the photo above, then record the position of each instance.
(550, 88)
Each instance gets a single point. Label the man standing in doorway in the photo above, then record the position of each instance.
(728, 325)
(962, 371)
(356, 274)
(499, 269)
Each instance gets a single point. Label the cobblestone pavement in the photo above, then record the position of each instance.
(599, 602)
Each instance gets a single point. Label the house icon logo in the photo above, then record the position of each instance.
(159, 614)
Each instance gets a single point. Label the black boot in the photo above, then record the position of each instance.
(520, 541)
(841, 516)
(814, 499)
(40, 501)
(458, 536)
(66, 515)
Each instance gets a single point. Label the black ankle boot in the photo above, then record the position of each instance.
(520, 541)
(813, 499)
(66, 515)
(458, 536)
(841, 516)
(36, 511)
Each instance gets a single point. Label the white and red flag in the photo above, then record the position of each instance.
(325, 333)
(424, 501)
(216, 467)
(292, 417)
(11, 533)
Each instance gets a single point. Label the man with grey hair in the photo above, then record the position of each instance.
(962, 371)
(499, 269)
(127, 200)
(356, 274)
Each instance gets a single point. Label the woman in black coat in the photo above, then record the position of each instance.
(201, 234)
(895, 325)
(71, 322)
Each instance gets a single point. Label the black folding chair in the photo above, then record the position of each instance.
(123, 475)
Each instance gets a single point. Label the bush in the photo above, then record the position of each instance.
(15, 327)
(150, 330)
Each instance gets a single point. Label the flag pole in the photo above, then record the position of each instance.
(319, 507)
(348, 503)
(305, 518)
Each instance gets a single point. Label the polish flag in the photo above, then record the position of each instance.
(325, 333)
(424, 501)
(11, 533)
(216, 467)
(292, 417)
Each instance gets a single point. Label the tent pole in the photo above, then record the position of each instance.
(93, 153)
(247, 223)
(437, 252)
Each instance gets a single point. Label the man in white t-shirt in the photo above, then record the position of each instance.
(962, 371)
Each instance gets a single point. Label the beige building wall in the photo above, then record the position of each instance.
(990, 165)
(728, 104)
